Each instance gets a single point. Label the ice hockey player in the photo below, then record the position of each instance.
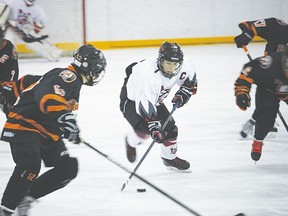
(44, 113)
(270, 74)
(9, 70)
(24, 22)
(146, 85)
(275, 32)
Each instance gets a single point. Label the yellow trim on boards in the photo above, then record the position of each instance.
(70, 46)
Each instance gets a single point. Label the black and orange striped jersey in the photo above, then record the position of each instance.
(40, 105)
(266, 72)
(9, 70)
(273, 30)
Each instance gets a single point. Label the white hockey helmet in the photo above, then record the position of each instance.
(29, 2)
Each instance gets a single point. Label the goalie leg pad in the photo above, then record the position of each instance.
(45, 49)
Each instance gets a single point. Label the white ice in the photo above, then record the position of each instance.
(224, 179)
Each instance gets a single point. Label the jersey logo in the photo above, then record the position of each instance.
(183, 75)
(68, 76)
(4, 58)
(163, 94)
(282, 22)
(260, 23)
(265, 61)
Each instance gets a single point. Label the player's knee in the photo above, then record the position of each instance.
(27, 171)
(171, 137)
(68, 168)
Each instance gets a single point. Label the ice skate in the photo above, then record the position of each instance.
(256, 150)
(177, 164)
(25, 205)
(130, 152)
(247, 128)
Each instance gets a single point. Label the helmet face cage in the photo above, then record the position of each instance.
(170, 59)
(90, 63)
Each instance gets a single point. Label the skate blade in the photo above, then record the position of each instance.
(177, 170)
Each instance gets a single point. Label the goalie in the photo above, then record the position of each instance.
(23, 21)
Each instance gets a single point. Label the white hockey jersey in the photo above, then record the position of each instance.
(148, 87)
(22, 15)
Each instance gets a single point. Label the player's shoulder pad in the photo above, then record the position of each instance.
(265, 62)
(68, 76)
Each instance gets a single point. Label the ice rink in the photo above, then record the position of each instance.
(224, 179)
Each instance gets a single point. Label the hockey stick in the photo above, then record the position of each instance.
(279, 113)
(142, 179)
(149, 148)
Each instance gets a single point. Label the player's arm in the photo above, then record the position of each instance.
(263, 28)
(187, 89)
(14, 75)
(247, 35)
(242, 87)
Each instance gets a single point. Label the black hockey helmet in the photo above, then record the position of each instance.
(170, 59)
(90, 63)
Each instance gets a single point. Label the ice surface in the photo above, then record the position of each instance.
(224, 180)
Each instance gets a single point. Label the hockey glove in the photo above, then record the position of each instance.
(242, 97)
(69, 127)
(188, 89)
(155, 130)
(244, 38)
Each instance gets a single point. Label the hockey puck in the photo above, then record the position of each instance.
(141, 190)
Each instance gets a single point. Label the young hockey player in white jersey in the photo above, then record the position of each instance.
(147, 84)
(24, 21)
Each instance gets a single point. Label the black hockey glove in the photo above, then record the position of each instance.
(244, 38)
(155, 130)
(242, 97)
(69, 127)
(182, 96)
(188, 89)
